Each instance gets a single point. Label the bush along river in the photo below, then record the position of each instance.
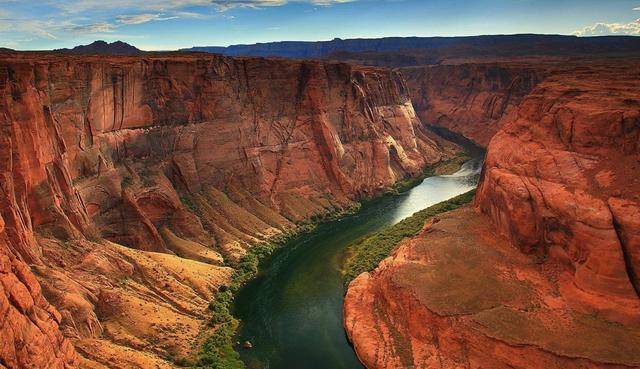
(291, 313)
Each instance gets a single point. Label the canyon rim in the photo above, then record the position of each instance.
(143, 193)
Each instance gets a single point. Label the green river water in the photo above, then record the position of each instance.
(292, 312)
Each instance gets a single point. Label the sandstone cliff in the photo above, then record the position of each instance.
(562, 181)
(544, 273)
(470, 99)
(130, 183)
(459, 296)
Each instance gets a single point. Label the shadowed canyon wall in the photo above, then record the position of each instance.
(543, 273)
(130, 183)
(470, 99)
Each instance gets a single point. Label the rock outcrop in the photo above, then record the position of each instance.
(460, 296)
(562, 181)
(544, 273)
(29, 325)
(470, 99)
(103, 48)
(130, 184)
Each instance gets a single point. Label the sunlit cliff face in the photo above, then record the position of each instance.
(131, 183)
(543, 273)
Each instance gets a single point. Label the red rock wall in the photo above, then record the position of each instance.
(470, 99)
(561, 181)
(458, 295)
(29, 325)
(544, 272)
(181, 159)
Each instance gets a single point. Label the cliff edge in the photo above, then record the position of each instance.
(543, 274)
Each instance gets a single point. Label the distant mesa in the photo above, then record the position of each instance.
(406, 51)
(104, 48)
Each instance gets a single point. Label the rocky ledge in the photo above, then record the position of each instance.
(458, 296)
(545, 273)
(131, 186)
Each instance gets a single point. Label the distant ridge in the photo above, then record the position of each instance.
(512, 44)
(104, 48)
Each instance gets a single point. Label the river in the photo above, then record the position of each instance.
(292, 312)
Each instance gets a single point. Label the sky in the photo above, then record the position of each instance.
(173, 24)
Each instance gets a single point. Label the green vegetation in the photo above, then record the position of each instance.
(449, 166)
(126, 182)
(452, 165)
(367, 253)
(218, 351)
(407, 184)
(189, 203)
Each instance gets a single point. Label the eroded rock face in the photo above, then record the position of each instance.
(29, 326)
(470, 99)
(127, 182)
(561, 181)
(460, 296)
(544, 273)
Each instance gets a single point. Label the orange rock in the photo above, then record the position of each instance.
(546, 274)
(544, 187)
(470, 99)
(29, 328)
(461, 297)
(127, 181)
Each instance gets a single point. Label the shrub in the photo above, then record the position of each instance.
(126, 182)
(188, 202)
(367, 253)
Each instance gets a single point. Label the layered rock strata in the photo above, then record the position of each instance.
(460, 296)
(562, 181)
(470, 99)
(544, 273)
(130, 183)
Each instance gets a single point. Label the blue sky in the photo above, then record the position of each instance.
(172, 24)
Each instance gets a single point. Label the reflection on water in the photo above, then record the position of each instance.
(436, 189)
(292, 313)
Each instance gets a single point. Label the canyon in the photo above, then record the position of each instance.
(134, 186)
(541, 272)
(131, 187)
(470, 98)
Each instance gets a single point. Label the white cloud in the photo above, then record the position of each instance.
(36, 28)
(69, 18)
(604, 29)
(102, 27)
(224, 5)
(143, 18)
(79, 6)
(330, 2)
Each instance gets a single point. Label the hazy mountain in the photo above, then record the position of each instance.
(507, 44)
(104, 48)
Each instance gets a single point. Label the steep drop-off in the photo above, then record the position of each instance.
(470, 99)
(129, 185)
(544, 273)
(562, 181)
